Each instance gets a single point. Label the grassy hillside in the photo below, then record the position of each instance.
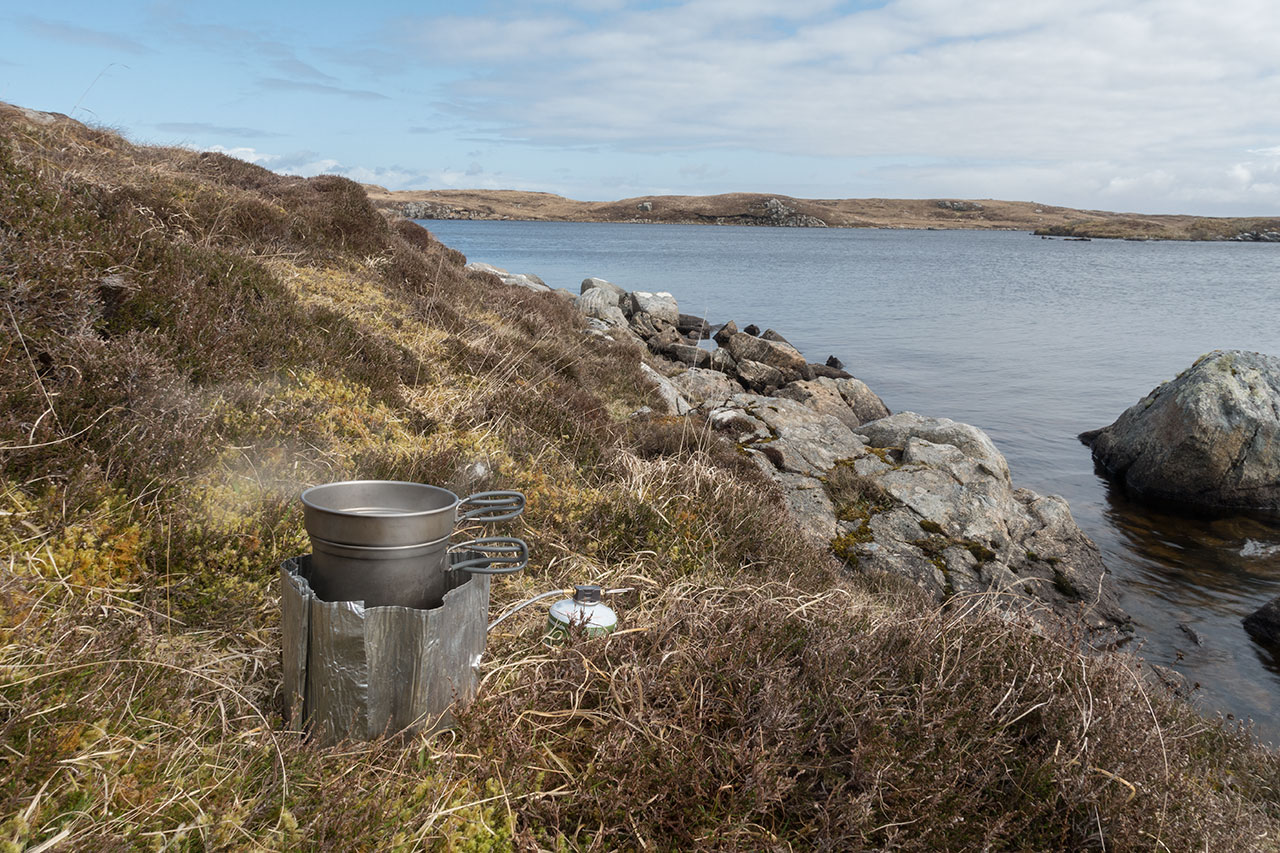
(764, 209)
(190, 340)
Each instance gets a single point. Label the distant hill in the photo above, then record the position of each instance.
(779, 210)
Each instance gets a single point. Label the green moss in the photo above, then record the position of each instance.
(1064, 585)
(980, 552)
(931, 526)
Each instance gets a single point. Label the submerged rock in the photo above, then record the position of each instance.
(1208, 438)
(1263, 624)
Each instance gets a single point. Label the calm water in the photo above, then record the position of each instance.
(1032, 340)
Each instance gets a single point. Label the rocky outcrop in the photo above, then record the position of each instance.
(529, 281)
(929, 499)
(1208, 438)
(782, 215)
(925, 498)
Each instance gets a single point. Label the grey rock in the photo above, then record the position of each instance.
(1208, 438)
(827, 372)
(865, 403)
(690, 355)
(594, 283)
(724, 333)
(953, 510)
(642, 324)
(894, 431)
(722, 361)
(780, 214)
(752, 329)
(693, 326)
(698, 385)
(660, 306)
(745, 347)
(809, 505)
(759, 377)
(600, 304)
(676, 403)
(832, 361)
(802, 441)
(530, 282)
(854, 404)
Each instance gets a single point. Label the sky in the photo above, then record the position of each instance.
(1154, 106)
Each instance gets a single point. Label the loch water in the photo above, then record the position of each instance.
(1032, 340)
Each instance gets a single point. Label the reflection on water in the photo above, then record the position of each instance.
(1189, 580)
(1032, 340)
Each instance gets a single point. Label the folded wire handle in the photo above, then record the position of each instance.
(492, 506)
(502, 555)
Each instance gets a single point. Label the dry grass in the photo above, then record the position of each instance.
(194, 339)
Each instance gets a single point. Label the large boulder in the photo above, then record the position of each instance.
(594, 283)
(745, 347)
(601, 304)
(659, 306)
(1208, 438)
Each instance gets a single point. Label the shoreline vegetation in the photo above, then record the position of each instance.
(191, 340)
(785, 211)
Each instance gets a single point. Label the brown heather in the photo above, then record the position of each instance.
(189, 340)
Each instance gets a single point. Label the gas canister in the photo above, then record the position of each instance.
(585, 610)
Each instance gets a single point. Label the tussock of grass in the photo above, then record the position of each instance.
(190, 340)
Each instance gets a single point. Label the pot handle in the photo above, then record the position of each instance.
(492, 506)
(504, 555)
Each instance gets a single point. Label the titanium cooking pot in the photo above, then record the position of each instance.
(406, 575)
(391, 513)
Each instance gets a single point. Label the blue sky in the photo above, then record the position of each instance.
(1166, 106)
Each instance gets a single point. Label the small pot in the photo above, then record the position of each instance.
(391, 513)
(406, 575)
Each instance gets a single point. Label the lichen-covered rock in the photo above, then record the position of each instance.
(928, 499)
(801, 440)
(1208, 438)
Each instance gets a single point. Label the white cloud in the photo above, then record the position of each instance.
(1154, 101)
(250, 155)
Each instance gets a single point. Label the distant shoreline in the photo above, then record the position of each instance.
(784, 211)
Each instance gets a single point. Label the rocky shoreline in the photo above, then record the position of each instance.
(924, 498)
